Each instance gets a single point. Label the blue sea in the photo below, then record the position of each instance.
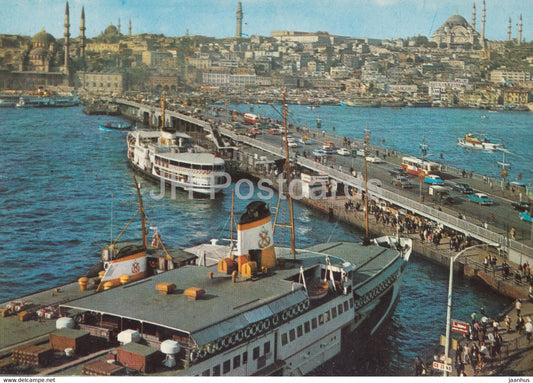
(66, 190)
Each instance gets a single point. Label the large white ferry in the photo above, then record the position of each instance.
(171, 157)
(258, 311)
(39, 101)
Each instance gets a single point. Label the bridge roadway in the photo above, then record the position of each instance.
(515, 249)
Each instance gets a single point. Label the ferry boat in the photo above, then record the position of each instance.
(38, 101)
(479, 141)
(171, 157)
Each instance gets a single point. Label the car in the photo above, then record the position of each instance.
(433, 179)
(524, 216)
(255, 130)
(397, 172)
(274, 131)
(462, 187)
(522, 205)
(328, 150)
(375, 160)
(344, 152)
(402, 181)
(480, 198)
(292, 144)
(289, 138)
(319, 153)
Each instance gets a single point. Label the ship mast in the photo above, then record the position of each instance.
(367, 138)
(163, 112)
(284, 191)
(143, 215)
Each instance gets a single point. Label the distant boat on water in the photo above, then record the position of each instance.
(479, 141)
(362, 103)
(116, 126)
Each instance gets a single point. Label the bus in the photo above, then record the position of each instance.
(413, 165)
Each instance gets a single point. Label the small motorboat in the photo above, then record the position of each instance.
(116, 126)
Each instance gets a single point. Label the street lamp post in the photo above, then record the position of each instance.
(367, 138)
(449, 308)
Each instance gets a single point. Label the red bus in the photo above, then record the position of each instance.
(415, 166)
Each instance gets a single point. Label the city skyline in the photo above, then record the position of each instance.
(353, 18)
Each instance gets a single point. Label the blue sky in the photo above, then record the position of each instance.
(216, 18)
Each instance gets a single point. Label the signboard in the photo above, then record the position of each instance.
(443, 342)
(460, 327)
(442, 366)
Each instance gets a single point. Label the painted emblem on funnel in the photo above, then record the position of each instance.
(264, 239)
(135, 267)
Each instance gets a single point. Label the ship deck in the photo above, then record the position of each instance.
(226, 306)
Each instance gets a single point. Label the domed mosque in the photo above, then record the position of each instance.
(43, 50)
(456, 33)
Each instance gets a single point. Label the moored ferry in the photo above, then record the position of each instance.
(259, 310)
(170, 157)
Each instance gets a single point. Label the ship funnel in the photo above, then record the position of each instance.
(254, 235)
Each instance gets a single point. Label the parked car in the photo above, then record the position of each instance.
(344, 152)
(480, 198)
(462, 187)
(522, 205)
(402, 181)
(255, 130)
(274, 131)
(524, 216)
(433, 179)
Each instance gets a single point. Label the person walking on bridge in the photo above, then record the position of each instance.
(518, 306)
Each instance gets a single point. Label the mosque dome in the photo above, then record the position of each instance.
(456, 20)
(44, 38)
(111, 31)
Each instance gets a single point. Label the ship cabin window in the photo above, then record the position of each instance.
(226, 367)
(255, 353)
(313, 323)
(266, 348)
(351, 302)
(245, 357)
(292, 335)
(339, 309)
(284, 339)
(326, 316)
(307, 327)
(206, 373)
(321, 319)
(236, 362)
(299, 331)
(216, 370)
(334, 312)
(346, 306)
